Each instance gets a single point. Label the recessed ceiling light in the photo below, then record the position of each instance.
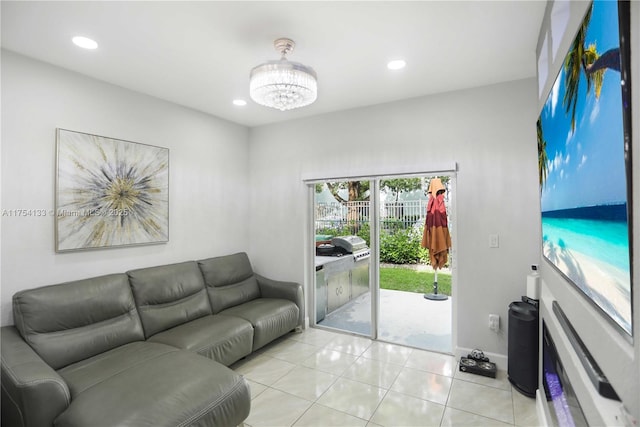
(396, 64)
(239, 102)
(84, 42)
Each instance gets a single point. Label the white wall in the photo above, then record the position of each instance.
(489, 132)
(208, 174)
(227, 195)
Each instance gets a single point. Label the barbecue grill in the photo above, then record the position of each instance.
(345, 245)
(342, 273)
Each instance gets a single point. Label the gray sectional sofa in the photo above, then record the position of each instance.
(150, 347)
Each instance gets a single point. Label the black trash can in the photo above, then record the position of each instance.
(523, 347)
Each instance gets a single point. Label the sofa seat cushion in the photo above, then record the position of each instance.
(224, 339)
(87, 373)
(152, 384)
(271, 318)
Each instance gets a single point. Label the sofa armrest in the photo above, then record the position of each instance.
(33, 394)
(291, 291)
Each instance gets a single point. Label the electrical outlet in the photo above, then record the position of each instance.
(494, 241)
(494, 322)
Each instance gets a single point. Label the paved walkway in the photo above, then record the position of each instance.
(405, 318)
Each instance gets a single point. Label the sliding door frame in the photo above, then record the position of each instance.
(374, 220)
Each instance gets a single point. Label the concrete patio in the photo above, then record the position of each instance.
(406, 318)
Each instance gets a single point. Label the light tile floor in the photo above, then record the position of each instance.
(329, 379)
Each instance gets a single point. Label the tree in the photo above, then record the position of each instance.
(594, 76)
(542, 155)
(573, 67)
(609, 59)
(586, 60)
(397, 186)
(358, 191)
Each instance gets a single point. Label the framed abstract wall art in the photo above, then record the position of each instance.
(109, 192)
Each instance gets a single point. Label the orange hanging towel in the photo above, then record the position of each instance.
(436, 236)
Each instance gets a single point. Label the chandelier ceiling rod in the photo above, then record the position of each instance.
(284, 46)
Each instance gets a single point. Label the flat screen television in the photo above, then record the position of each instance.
(584, 162)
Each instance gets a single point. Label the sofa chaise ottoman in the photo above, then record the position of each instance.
(150, 347)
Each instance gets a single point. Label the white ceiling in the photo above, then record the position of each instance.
(199, 54)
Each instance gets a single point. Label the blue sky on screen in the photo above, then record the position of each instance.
(586, 167)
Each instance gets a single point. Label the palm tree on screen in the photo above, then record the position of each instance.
(586, 59)
(573, 67)
(542, 155)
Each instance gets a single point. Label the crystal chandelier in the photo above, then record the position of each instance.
(283, 84)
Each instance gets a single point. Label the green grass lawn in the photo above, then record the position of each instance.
(408, 280)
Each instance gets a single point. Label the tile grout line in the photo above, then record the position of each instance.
(446, 404)
(513, 406)
(381, 362)
(315, 401)
(378, 405)
(338, 377)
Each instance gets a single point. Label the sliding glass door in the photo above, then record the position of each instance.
(373, 274)
(413, 311)
(342, 255)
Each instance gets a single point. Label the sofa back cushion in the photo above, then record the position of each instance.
(169, 295)
(72, 321)
(230, 280)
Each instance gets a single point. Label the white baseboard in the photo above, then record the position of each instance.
(499, 359)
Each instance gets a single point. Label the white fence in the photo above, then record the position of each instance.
(393, 215)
